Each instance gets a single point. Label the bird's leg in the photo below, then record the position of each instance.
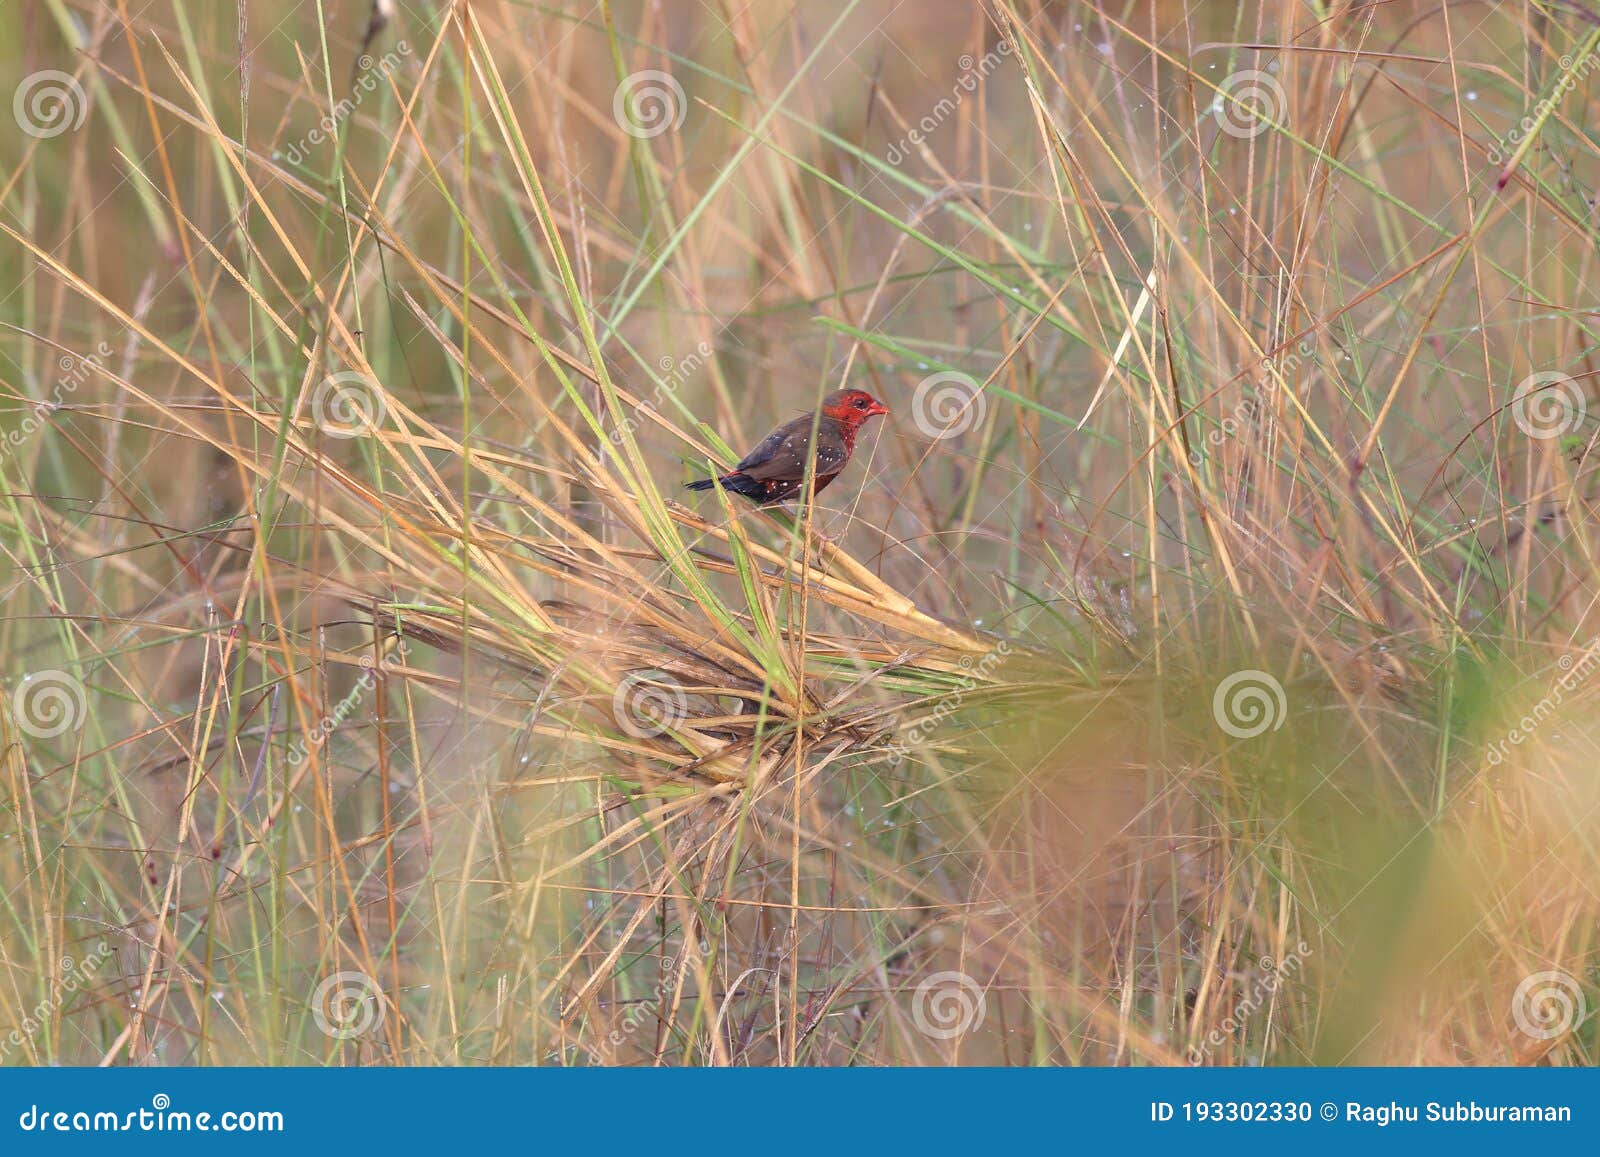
(824, 537)
(808, 522)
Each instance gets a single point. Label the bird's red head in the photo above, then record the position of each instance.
(850, 408)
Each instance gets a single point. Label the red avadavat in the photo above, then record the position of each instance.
(775, 470)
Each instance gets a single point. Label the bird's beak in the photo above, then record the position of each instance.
(877, 407)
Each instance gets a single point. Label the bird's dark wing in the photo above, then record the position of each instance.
(779, 453)
(782, 454)
(831, 452)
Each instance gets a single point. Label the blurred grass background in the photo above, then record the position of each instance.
(1193, 668)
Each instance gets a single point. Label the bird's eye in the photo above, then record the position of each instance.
(861, 403)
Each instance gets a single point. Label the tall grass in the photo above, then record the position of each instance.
(1194, 668)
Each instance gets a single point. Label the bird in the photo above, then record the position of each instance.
(775, 470)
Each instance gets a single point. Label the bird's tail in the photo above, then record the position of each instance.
(734, 484)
